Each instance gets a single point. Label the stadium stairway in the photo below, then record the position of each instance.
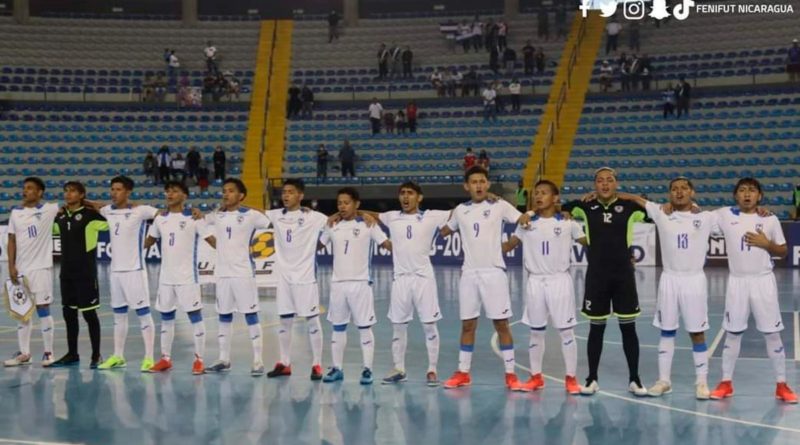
(278, 97)
(251, 173)
(555, 164)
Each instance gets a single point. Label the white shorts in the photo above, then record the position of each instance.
(352, 298)
(759, 295)
(552, 295)
(682, 296)
(487, 287)
(237, 294)
(40, 283)
(170, 296)
(130, 289)
(299, 299)
(410, 291)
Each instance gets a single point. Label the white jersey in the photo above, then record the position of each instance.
(481, 227)
(412, 235)
(180, 235)
(744, 260)
(127, 227)
(352, 248)
(33, 229)
(296, 236)
(683, 237)
(234, 231)
(547, 244)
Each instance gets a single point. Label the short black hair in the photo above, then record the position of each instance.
(177, 184)
(77, 185)
(39, 183)
(238, 183)
(476, 170)
(748, 181)
(551, 184)
(296, 183)
(349, 191)
(410, 185)
(124, 180)
(681, 178)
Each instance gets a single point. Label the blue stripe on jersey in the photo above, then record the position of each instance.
(141, 244)
(369, 261)
(194, 257)
(250, 255)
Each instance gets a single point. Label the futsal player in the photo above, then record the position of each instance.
(682, 288)
(549, 291)
(483, 282)
(752, 241)
(230, 230)
(178, 283)
(296, 234)
(129, 287)
(30, 256)
(79, 227)
(412, 231)
(351, 285)
(610, 281)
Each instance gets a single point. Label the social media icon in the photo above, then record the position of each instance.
(633, 9)
(585, 6)
(681, 11)
(607, 7)
(659, 11)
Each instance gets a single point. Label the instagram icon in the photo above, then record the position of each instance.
(633, 9)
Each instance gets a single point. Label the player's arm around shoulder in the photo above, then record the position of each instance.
(451, 225)
(577, 233)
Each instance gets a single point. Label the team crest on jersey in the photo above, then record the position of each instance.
(697, 223)
(618, 209)
(239, 219)
(759, 227)
(78, 217)
(301, 221)
(356, 232)
(127, 216)
(557, 231)
(38, 215)
(182, 225)
(486, 213)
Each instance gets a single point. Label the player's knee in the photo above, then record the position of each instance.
(567, 334)
(168, 316)
(340, 327)
(195, 316)
(43, 311)
(226, 318)
(251, 318)
(469, 326)
(142, 311)
(669, 334)
(121, 310)
(698, 337)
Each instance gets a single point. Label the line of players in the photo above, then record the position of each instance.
(546, 235)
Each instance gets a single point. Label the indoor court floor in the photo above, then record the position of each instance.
(78, 405)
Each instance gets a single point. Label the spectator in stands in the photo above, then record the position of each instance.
(625, 75)
(465, 35)
(446, 79)
(178, 167)
(322, 161)
(634, 38)
(160, 86)
(539, 59)
(793, 61)
(211, 58)
(395, 56)
(383, 61)
(437, 82)
(411, 116)
(606, 76)
(220, 87)
(400, 122)
(528, 52)
(490, 35)
(635, 71)
(454, 82)
(483, 160)
(561, 21)
(645, 77)
(683, 93)
(470, 83)
(521, 197)
(165, 56)
(515, 89)
(502, 33)
(499, 103)
(388, 122)
(494, 55)
(174, 63)
(164, 164)
(234, 87)
(489, 97)
(477, 34)
(469, 159)
(347, 156)
(209, 83)
(295, 104)
(193, 159)
(407, 57)
(375, 115)
(202, 175)
(219, 163)
(307, 97)
(509, 60)
(668, 98)
(148, 89)
(333, 25)
(613, 29)
(543, 24)
(150, 167)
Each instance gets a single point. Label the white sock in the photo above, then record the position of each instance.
(167, 337)
(225, 336)
(465, 358)
(367, 346)
(399, 344)
(508, 357)
(536, 348)
(700, 357)
(24, 337)
(199, 329)
(315, 337)
(666, 350)
(777, 354)
(256, 339)
(47, 333)
(148, 334)
(120, 333)
(432, 344)
(285, 339)
(569, 347)
(338, 343)
(733, 343)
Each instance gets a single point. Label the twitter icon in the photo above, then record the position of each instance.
(607, 7)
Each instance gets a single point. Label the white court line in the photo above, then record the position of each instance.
(715, 343)
(796, 323)
(496, 349)
(37, 442)
(612, 342)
